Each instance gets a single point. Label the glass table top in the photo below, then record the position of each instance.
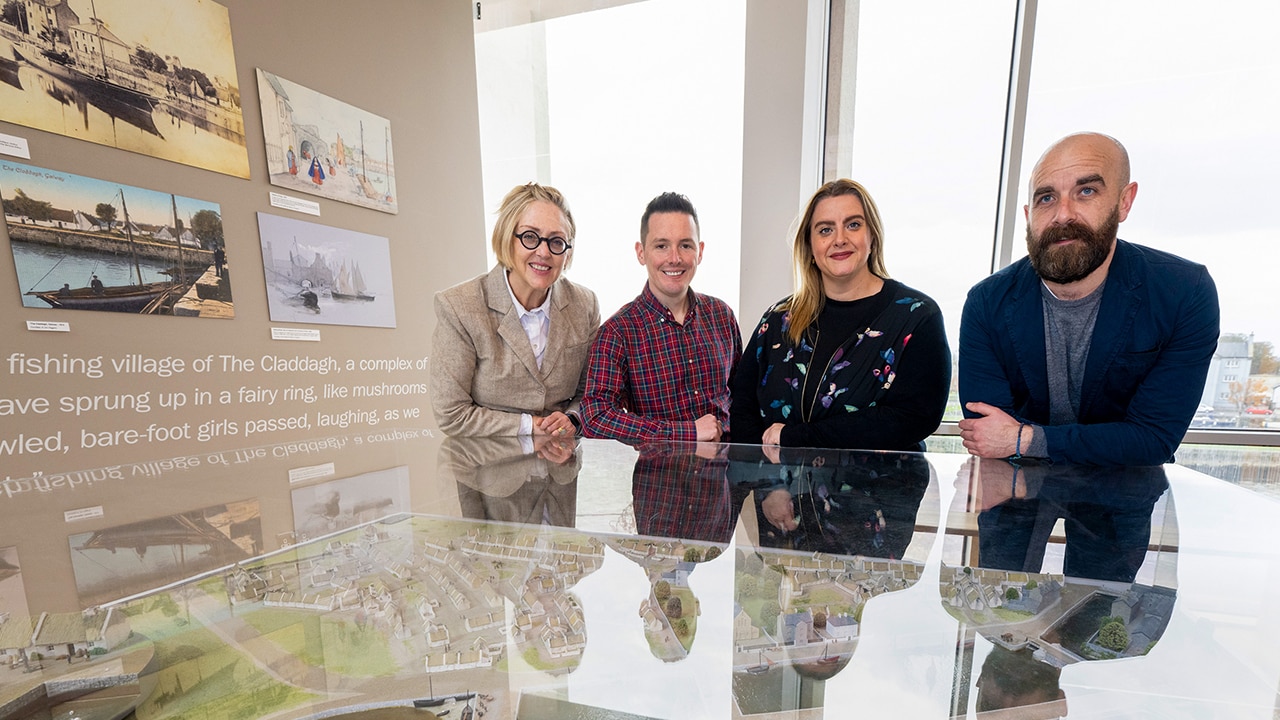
(399, 574)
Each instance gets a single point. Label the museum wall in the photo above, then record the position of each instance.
(228, 403)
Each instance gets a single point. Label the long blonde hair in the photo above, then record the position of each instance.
(810, 295)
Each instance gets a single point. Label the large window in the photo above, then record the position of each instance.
(1191, 90)
(929, 111)
(941, 110)
(614, 107)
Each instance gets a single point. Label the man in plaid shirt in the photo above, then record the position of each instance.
(660, 367)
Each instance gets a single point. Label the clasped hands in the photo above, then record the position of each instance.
(554, 449)
(778, 510)
(557, 424)
(995, 483)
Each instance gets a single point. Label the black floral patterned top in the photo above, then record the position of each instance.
(871, 374)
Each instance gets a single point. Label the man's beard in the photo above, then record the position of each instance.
(1069, 263)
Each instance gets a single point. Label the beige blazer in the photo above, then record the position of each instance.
(483, 373)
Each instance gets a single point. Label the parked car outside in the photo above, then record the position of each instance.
(1207, 417)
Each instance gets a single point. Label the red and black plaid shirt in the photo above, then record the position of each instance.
(650, 378)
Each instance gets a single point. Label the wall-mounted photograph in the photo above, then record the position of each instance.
(81, 243)
(156, 77)
(327, 275)
(322, 146)
(336, 505)
(119, 561)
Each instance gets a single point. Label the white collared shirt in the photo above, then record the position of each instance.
(537, 327)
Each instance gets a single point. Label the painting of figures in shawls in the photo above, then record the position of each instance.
(325, 147)
(156, 77)
(326, 275)
(80, 243)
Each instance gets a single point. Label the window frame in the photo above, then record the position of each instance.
(799, 96)
(841, 69)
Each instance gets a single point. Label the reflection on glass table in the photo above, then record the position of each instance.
(601, 580)
(528, 480)
(685, 515)
(1099, 522)
(833, 529)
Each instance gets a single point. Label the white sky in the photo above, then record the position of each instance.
(1191, 93)
(639, 105)
(1193, 90)
(647, 97)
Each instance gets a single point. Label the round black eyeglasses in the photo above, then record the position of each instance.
(530, 240)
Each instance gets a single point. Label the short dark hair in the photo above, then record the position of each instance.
(665, 203)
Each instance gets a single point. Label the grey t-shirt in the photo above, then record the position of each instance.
(1068, 333)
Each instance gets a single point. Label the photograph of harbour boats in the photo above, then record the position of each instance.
(80, 243)
(327, 275)
(156, 77)
(322, 146)
(118, 561)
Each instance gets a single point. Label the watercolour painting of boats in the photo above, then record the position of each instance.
(321, 274)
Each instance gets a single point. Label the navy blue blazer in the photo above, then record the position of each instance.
(1156, 332)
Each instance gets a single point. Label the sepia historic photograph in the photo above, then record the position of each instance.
(337, 505)
(156, 77)
(118, 561)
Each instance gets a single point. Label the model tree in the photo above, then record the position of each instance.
(674, 608)
(662, 590)
(1114, 636)
(769, 613)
